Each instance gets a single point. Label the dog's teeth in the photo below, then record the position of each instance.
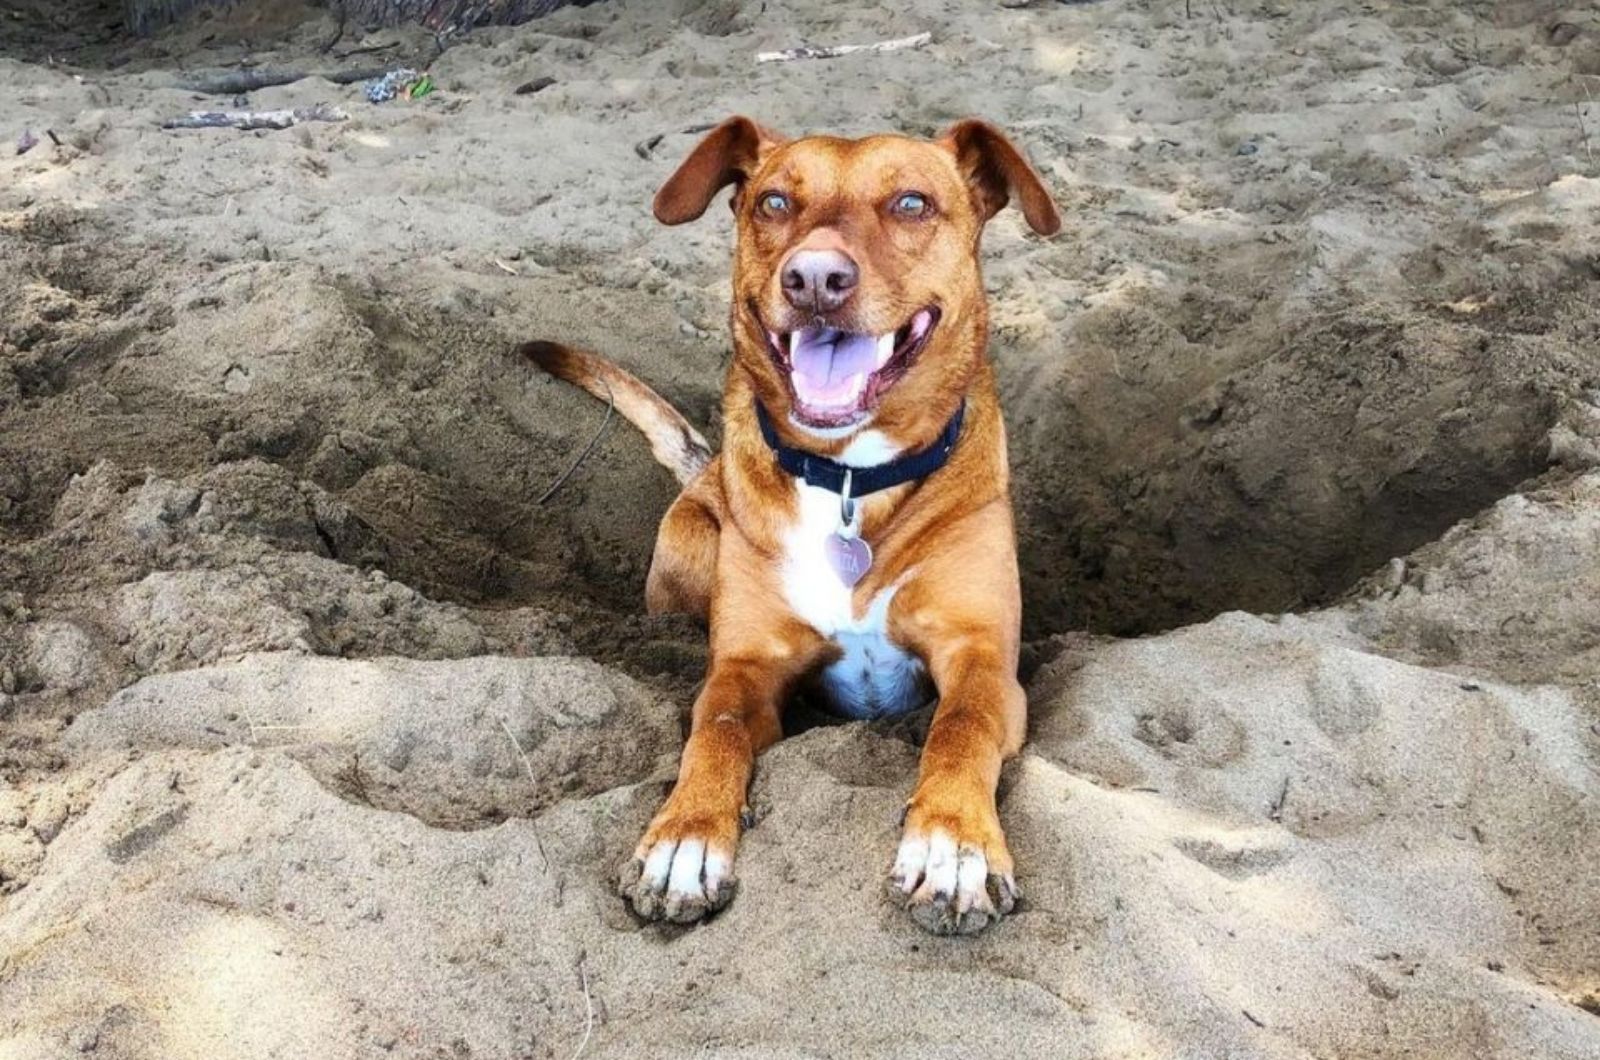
(885, 348)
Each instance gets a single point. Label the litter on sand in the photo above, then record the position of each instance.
(404, 83)
(26, 142)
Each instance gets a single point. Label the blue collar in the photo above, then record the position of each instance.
(830, 475)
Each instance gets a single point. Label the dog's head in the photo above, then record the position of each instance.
(857, 291)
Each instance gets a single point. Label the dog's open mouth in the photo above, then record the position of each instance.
(836, 377)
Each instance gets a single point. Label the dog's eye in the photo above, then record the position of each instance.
(911, 204)
(774, 203)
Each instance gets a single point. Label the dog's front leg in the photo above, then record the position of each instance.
(953, 868)
(682, 869)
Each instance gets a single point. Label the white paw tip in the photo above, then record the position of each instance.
(658, 864)
(948, 884)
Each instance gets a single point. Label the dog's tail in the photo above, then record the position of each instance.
(678, 446)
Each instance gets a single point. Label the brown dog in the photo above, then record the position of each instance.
(854, 536)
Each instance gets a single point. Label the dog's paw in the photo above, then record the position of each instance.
(682, 870)
(953, 881)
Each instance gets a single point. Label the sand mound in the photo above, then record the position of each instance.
(320, 737)
(1251, 837)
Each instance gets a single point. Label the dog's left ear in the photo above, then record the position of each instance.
(727, 155)
(995, 170)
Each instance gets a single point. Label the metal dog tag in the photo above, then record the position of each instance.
(848, 555)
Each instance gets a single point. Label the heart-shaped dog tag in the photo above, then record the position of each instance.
(850, 557)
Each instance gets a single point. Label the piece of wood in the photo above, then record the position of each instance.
(235, 82)
(254, 119)
(916, 40)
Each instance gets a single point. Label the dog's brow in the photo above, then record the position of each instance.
(899, 160)
(903, 176)
(807, 175)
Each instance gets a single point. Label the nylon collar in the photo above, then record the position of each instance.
(830, 475)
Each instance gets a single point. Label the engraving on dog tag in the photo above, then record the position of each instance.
(850, 557)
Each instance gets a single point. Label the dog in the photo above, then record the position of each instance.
(854, 537)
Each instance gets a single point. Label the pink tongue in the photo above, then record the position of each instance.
(830, 367)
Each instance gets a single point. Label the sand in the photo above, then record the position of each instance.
(319, 737)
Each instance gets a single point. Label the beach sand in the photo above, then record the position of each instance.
(321, 737)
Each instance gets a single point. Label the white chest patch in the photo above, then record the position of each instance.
(874, 676)
(868, 449)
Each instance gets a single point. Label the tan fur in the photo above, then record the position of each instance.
(674, 442)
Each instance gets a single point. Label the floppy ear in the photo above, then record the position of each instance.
(727, 155)
(995, 170)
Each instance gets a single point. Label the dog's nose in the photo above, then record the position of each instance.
(819, 280)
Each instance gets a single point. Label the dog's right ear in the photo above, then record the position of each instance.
(727, 155)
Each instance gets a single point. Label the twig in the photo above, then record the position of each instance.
(490, 556)
(1582, 128)
(588, 1004)
(358, 781)
(254, 119)
(250, 720)
(611, 408)
(790, 54)
(503, 267)
(1276, 812)
(538, 843)
(367, 49)
(648, 144)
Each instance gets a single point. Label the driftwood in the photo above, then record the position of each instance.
(254, 119)
(441, 16)
(916, 40)
(235, 82)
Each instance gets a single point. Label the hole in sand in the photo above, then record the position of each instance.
(1180, 455)
(1320, 450)
(1329, 448)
